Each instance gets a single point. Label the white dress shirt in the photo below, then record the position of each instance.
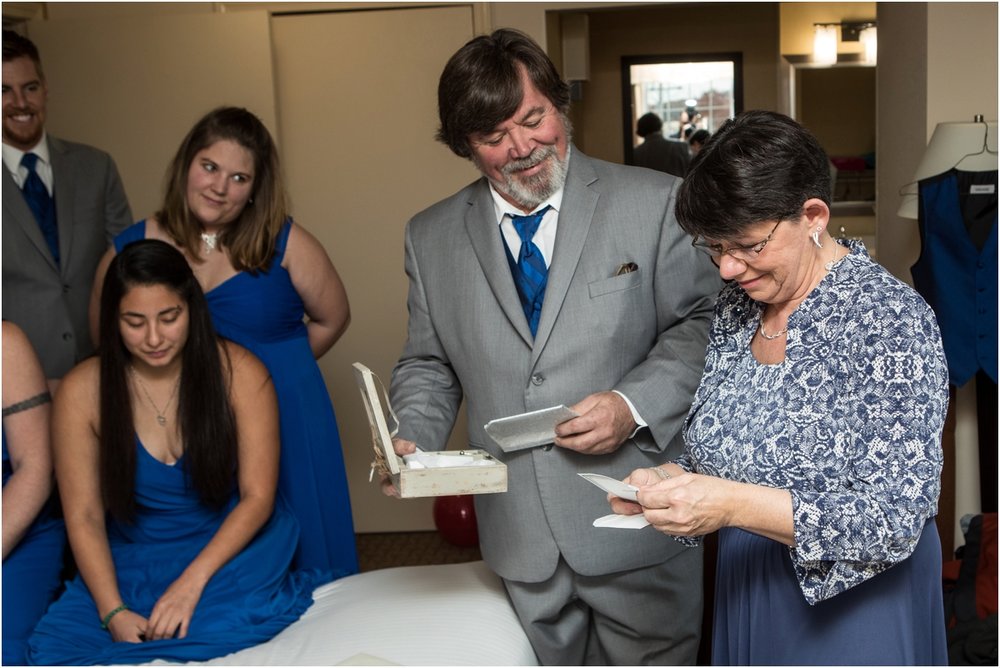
(12, 160)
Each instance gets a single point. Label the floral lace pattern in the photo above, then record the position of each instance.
(850, 422)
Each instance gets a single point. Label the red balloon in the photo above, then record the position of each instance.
(455, 519)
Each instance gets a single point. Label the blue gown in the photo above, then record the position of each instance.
(263, 313)
(30, 576)
(247, 602)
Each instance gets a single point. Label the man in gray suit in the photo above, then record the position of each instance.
(62, 204)
(613, 323)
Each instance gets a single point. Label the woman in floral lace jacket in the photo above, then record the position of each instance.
(814, 440)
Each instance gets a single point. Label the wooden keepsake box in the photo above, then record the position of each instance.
(424, 473)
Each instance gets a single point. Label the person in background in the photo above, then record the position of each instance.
(557, 279)
(62, 204)
(33, 539)
(225, 209)
(656, 151)
(166, 452)
(813, 445)
(697, 141)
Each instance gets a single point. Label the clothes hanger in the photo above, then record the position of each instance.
(939, 156)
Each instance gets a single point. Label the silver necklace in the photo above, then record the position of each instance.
(836, 256)
(211, 240)
(161, 417)
(770, 337)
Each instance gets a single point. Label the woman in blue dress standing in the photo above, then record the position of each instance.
(33, 538)
(813, 444)
(271, 288)
(166, 454)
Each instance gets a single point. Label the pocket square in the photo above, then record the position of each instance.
(626, 268)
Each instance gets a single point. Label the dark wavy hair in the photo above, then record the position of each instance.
(252, 238)
(17, 46)
(759, 166)
(480, 86)
(207, 423)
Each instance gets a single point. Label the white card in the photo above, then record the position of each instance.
(615, 521)
(611, 486)
(622, 491)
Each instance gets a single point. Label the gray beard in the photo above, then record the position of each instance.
(533, 191)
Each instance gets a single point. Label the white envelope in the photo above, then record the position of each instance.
(528, 430)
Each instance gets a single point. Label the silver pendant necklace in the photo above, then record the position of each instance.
(161, 417)
(210, 240)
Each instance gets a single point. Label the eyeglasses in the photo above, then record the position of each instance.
(742, 253)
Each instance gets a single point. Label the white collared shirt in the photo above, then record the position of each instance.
(12, 160)
(545, 236)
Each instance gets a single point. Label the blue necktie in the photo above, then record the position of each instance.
(40, 202)
(530, 272)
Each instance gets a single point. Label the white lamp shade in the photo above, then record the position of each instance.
(869, 38)
(825, 44)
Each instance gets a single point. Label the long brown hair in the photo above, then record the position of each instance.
(251, 238)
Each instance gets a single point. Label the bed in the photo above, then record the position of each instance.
(453, 614)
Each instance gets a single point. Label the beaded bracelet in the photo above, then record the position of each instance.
(660, 472)
(107, 617)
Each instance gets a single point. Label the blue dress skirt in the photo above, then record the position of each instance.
(247, 602)
(30, 577)
(264, 313)
(761, 617)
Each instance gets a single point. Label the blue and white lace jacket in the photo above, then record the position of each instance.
(853, 424)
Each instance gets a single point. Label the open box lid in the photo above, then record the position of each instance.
(386, 460)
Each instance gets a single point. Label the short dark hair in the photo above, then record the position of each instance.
(699, 137)
(480, 86)
(759, 166)
(204, 413)
(17, 46)
(648, 124)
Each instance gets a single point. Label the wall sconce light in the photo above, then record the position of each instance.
(825, 40)
(869, 37)
(825, 43)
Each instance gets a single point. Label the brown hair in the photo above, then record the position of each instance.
(251, 238)
(480, 86)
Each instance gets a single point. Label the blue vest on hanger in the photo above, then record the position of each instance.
(957, 269)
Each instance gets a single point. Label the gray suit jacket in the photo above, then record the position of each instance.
(48, 302)
(643, 333)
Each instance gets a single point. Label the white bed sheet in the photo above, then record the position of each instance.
(446, 615)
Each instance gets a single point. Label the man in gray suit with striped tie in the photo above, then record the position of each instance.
(62, 204)
(558, 279)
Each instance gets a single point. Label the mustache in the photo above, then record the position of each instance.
(19, 111)
(536, 156)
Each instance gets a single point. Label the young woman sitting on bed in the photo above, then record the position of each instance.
(166, 455)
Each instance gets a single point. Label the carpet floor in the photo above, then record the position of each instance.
(414, 548)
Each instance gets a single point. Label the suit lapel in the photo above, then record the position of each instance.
(577, 214)
(484, 234)
(63, 187)
(18, 213)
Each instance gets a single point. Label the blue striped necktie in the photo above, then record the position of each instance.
(530, 272)
(37, 196)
